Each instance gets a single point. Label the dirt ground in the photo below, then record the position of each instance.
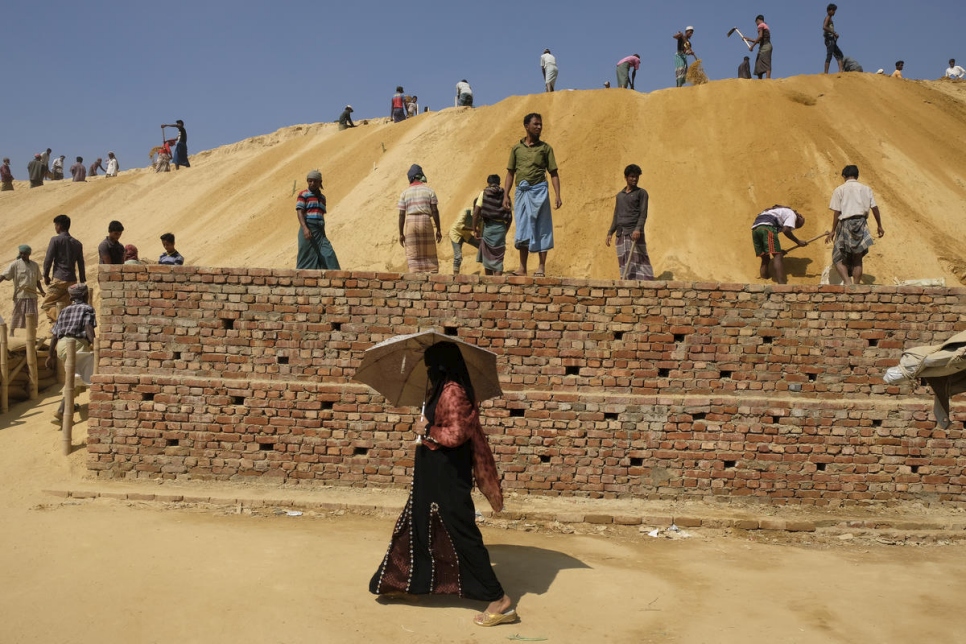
(123, 571)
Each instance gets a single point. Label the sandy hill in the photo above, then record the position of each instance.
(713, 156)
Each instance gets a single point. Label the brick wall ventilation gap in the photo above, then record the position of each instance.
(612, 389)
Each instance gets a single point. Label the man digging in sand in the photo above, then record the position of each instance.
(764, 235)
(850, 207)
(530, 160)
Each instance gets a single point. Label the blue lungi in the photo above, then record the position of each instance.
(534, 218)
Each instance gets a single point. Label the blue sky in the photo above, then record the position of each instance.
(86, 77)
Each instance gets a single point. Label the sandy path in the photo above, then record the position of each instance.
(122, 571)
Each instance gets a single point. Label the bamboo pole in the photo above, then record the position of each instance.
(4, 371)
(60, 374)
(32, 356)
(70, 360)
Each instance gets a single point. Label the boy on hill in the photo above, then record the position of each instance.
(315, 250)
(630, 214)
(764, 235)
(170, 256)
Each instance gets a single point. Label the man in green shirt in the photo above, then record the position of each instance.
(530, 161)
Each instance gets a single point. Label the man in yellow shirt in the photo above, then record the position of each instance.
(459, 233)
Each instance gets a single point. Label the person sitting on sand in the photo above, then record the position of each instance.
(764, 236)
(899, 65)
(345, 119)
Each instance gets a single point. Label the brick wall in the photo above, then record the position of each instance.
(613, 389)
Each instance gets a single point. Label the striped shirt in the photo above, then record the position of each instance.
(312, 203)
(417, 199)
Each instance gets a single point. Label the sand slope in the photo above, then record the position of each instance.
(713, 157)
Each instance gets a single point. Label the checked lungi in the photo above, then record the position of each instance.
(420, 244)
(852, 240)
(633, 259)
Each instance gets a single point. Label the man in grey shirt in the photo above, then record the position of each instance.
(630, 214)
(64, 253)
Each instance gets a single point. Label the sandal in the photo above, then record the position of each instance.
(495, 619)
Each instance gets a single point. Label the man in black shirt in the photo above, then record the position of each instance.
(180, 154)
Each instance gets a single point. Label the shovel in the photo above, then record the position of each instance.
(735, 30)
(807, 242)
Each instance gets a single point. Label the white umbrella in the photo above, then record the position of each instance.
(395, 368)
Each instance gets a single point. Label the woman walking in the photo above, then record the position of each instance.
(436, 546)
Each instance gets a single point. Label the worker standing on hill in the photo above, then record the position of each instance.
(491, 221)
(530, 161)
(179, 155)
(57, 170)
(548, 65)
(345, 119)
(744, 69)
(64, 255)
(397, 107)
(464, 94)
(25, 275)
(112, 165)
(764, 236)
(627, 70)
(763, 61)
(630, 214)
(315, 250)
(850, 207)
(681, 56)
(78, 171)
(111, 250)
(6, 176)
(36, 172)
(831, 39)
(418, 213)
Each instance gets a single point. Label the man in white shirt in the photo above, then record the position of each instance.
(112, 165)
(548, 65)
(955, 71)
(764, 235)
(464, 94)
(850, 207)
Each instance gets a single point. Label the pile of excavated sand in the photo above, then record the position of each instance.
(713, 157)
